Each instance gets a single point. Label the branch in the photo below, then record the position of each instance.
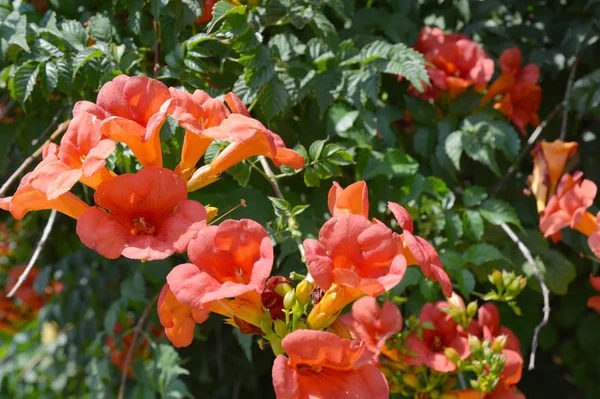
(136, 332)
(61, 128)
(156, 49)
(36, 253)
(545, 292)
(7, 108)
(530, 142)
(273, 180)
(563, 127)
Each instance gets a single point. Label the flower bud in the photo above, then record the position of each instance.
(266, 324)
(472, 309)
(456, 302)
(496, 277)
(211, 212)
(499, 343)
(303, 291)
(515, 286)
(452, 355)
(474, 343)
(411, 380)
(475, 384)
(282, 288)
(289, 299)
(280, 328)
(435, 394)
(477, 367)
(272, 296)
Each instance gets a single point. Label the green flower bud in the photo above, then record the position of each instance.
(289, 299)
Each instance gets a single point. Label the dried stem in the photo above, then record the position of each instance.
(136, 333)
(36, 253)
(563, 126)
(545, 292)
(61, 128)
(156, 49)
(273, 180)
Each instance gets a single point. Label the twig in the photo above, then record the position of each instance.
(530, 142)
(36, 253)
(462, 381)
(273, 180)
(7, 108)
(51, 124)
(563, 126)
(545, 292)
(136, 332)
(61, 128)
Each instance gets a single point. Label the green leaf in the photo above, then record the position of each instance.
(474, 195)
(585, 96)
(19, 37)
(410, 64)
(311, 177)
(112, 314)
(221, 10)
(497, 212)
(466, 282)
(324, 29)
(421, 110)
(465, 104)
(429, 289)
(479, 254)
(451, 260)
(51, 76)
(454, 226)
(273, 98)
(245, 341)
(475, 143)
(25, 79)
(328, 85)
(288, 45)
(554, 268)
(454, 148)
(100, 28)
(75, 34)
(473, 223)
(393, 163)
(84, 56)
(316, 149)
(196, 6)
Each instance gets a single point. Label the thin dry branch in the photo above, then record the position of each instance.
(61, 128)
(36, 253)
(563, 126)
(137, 330)
(545, 292)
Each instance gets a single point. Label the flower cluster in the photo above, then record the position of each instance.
(563, 199)
(457, 63)
(353, 257)
(446, 339)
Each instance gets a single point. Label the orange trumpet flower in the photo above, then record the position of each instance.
(149, 216)
(323, 365)
(132, 110)
(568, 207)
(548, 165)
(31, 193)
(248, 137)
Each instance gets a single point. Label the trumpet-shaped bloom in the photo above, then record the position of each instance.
(568, 206)
(521, 104)
(81, 157)
(248, 137)
(178, 319)
(352, 251)
(148, 216)
(458, 62)
(429, 350)
(323, 365)
(353, 200)
(232, 260)
(373, 324)
(512, 73)
(132, 110)
(594, 238)
(418, 251)
(31, 193)
(195, 112)
(594, 302)
(548, 165)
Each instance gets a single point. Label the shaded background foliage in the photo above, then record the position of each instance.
(323, 75)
